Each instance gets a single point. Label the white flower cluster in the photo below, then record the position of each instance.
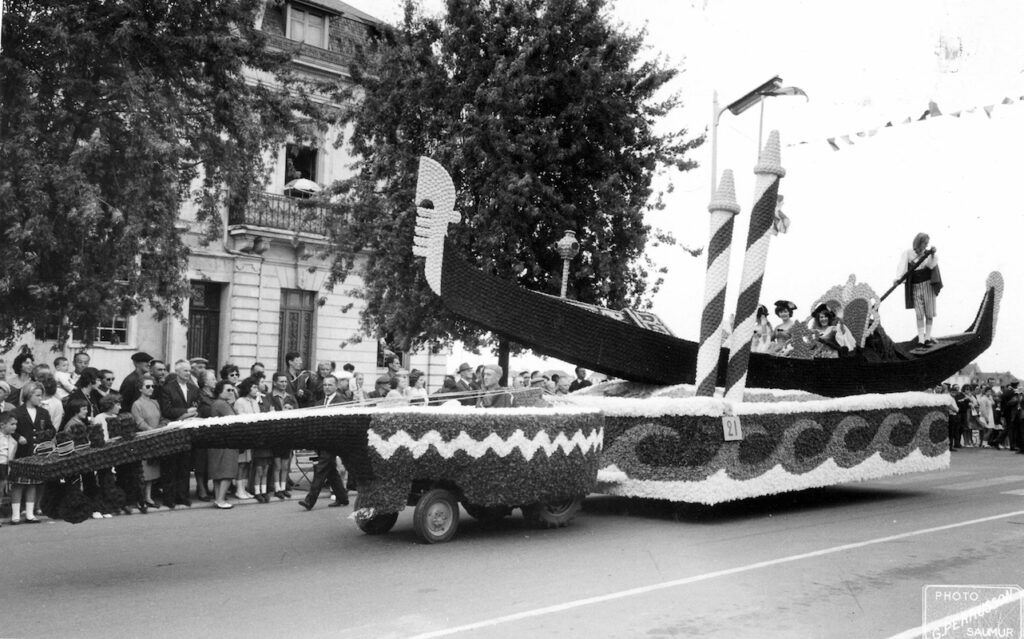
(528, 446)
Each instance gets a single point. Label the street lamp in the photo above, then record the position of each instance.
(568, 247)
(736, 107)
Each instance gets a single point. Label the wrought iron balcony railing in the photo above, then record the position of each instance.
(282, 212)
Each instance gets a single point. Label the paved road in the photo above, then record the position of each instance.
(848, 561)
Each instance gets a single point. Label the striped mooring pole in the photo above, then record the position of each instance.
(768, 170)
(723, 209)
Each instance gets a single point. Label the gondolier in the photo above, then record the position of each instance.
(922, 285)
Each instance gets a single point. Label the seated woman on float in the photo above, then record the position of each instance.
(831, 337)
(781, 334)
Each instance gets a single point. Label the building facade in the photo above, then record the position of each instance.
(260, 290)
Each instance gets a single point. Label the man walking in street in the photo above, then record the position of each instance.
(326, 468)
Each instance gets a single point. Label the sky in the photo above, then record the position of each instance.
(852, 211)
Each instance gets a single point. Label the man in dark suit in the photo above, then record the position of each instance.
(130, 386)
(465, 384)
(179, 400)
(326, 469)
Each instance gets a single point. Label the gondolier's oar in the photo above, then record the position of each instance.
(913, 267)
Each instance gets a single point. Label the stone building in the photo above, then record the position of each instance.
(259, 291)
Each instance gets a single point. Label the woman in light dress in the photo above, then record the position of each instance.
(146, 412)
(248, 403)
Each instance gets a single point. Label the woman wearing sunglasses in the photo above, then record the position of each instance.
(146, 412)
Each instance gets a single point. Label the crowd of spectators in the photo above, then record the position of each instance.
(37, 401)
(986, 415)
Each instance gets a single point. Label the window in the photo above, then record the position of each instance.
(300, 163)
(307, 27)
(113, 331)
(297, 311)
(386, 348)
(47, 330)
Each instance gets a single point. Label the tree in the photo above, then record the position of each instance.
(112, 116)
(544, 114)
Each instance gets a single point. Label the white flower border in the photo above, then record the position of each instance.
(720, 487)
(717, 407)
(528, 446)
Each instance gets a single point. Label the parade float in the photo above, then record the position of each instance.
(667, 434)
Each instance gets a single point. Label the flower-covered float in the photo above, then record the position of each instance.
(543, 460)
(687, 444)
(666, 443)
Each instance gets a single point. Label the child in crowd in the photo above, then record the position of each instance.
(62, 373)
(8, 445)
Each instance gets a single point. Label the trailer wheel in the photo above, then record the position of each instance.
(487, 514)
(378, 524)
(553, 514)
(437, 516)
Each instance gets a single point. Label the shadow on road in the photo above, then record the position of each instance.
(812, 499)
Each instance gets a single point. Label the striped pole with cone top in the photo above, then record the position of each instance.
(768, 170)
(723, 208)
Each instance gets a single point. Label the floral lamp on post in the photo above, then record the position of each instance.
(568, 247)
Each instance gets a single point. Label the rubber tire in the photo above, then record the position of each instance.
(436, 518)
(553, 514)
(378, 524)
(487, 514)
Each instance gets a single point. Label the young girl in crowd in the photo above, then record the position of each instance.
(9, 442)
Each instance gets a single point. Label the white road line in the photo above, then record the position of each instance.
(983, 483)
(953, 622)
(1019, 492)
(632, 592)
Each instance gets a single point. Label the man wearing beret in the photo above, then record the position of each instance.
(130, 386)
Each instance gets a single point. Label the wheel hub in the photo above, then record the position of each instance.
(439, 518)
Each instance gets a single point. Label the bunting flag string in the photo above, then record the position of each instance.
(837, 142)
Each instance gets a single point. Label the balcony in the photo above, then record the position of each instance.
(273, 211)
(301, 51)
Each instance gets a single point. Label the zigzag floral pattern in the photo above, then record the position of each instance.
(518, 440)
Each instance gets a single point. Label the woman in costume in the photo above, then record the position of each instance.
(222, 463)
(762, 339)
(831, 337)
(780, 336)
(921, 286)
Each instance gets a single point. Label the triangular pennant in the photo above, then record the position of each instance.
(889, 123)
(988, 109)
(1007, 101)
(924, 115)
(832, 143)
(846, 138)
(955, 114)
(933, 109)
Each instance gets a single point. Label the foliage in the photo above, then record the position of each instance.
(545, 115)
(114, 115)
